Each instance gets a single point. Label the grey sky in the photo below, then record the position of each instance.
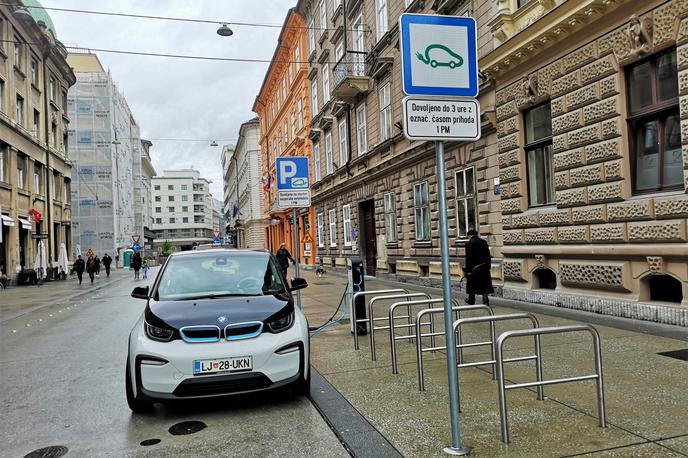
(174, 98)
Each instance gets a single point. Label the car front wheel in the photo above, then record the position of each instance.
(136, 406)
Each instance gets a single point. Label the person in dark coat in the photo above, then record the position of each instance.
(79, 267)
(283, 257)
(91, 268)
(96, 260)
(477, 269)
(136, 264)
(107, 260)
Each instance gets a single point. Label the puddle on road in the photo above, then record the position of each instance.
(53, 451)
(149, 442)
(187, 427)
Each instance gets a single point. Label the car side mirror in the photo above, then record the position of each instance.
(298, 283)
(140, 292)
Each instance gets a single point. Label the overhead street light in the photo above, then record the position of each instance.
(214, 143)
(225, 31)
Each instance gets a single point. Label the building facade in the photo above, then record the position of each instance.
(143, 196)
(578, 182)
(283, 109)
(182, 209)
(35, 172)
(243, 188)
(105, 147)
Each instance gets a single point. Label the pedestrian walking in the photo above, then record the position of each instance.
(477, 269)
(91, 268)
(79, 267)
(144, 268)
(136, 264)
(96, 260)
(283, 257)
(107, 260)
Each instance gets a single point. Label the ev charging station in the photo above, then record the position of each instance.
(356, 277)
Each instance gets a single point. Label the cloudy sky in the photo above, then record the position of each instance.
(175, 98)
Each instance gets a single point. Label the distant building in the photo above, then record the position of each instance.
(35, 172)
(244, 189)
(182, 209)
(105, 149)
(143, 196)
(218, 216)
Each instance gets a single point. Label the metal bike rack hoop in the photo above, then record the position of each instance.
(371, 319)
(363, 294)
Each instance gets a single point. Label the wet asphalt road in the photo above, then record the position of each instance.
(62, 383)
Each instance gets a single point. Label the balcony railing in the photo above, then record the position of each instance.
(350, 74)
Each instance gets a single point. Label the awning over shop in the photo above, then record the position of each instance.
(25, 223)
(7, 221)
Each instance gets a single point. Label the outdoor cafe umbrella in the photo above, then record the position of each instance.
(62, 261)
(41, 264)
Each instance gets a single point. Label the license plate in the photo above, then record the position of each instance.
(213, 366)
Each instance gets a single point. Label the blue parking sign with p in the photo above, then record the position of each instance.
(292, 173)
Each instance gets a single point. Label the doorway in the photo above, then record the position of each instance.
(366, 212)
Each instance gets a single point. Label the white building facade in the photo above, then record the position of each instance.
(182, 209)
(243, 188)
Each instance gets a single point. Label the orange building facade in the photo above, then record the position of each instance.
(283, 109)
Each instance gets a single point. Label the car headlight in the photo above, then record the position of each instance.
(281, 324)
(158, 333)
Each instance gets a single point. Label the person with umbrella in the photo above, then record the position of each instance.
(107, 260)
(79, 267)
(477, 269)
(136, 264)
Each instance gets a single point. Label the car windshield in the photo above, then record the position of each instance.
(219, 274)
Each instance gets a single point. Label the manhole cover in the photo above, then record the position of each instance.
(187, 427)
(676, 354)
(149, 442)
(53, 451)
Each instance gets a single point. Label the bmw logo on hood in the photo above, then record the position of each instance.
(222, 319)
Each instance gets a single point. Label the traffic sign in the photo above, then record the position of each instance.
(216, 242)
(216, 234)
(307, 238)
(136, 246)
(439, 55)
(289, 199)
(429, 118)
(292, 173)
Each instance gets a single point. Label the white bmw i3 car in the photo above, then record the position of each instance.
(217, 322)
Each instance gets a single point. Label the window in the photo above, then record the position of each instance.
(297, 57)
(170, 187)
(466, 218)
(316, 161)
(37, 178)
(538, 126)
(170, 209)
(339, 51)
(279, 141)
(36, 123)
(286, 134)
(185, 187)
(293, 124)
(326, 82)
(185, 219)
(2, 96)
(381, 16)
(290, 73)
(21, 166)
(20, 110)
(185, 209)
(172, 220)
(156, 187)
(158, 220)
(64, 101)
(284, 88)
(654, 126)
(391, 217)
(170, 198)
(158, 198)
(320, 224)
(521, 3)
(52, 87)
(3, 163)
(158, 209)
(328, 153)
(53, 134)
(17, 52)
(311, 36)
(422, 211)
(346, 224)
(314, 96)
(34, 71)
(299, 107)
(343, 146)
(323, 17)
(385, 113)
(333, 228)
(361, 129)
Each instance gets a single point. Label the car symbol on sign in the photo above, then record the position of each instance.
(299, 183)
(455, 61)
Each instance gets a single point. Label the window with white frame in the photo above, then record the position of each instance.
(385, 112)
(293, 124)
(381, 18)
(343, 146)
(311, 36)
(290, 73)
(466, 216)
(391, 217)
(316, 161)
(323, 17)
(339, 50)
(346, 224)
(314, 97)
(333, 228)
(37, 180)
(286, 134)
(2, 95)
(321, 230)
(326, 82)
(20, 110)
(297, 57)
(284, 89)
(279, 142)
(3, 158)
(328, 153)
(299, 107)
(422, 211)
(361, 129)
(21, 167)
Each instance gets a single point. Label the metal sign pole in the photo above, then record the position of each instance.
(295, 220)
(456, 448)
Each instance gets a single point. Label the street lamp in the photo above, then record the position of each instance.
(225, 31)
(214, 143)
